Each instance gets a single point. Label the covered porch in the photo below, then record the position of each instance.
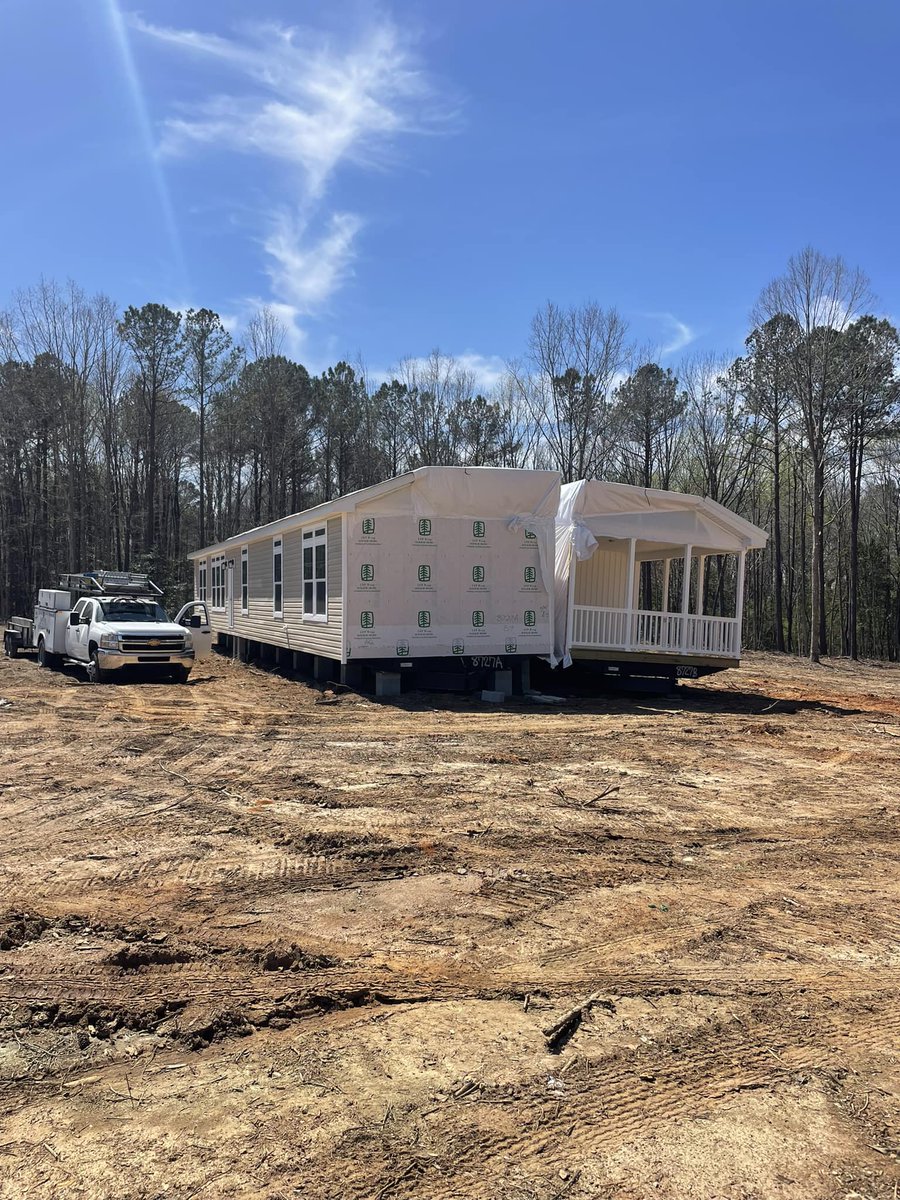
(651, 575)
(662, 602)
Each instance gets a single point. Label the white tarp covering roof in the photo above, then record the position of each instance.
(468, 492)
(661, 522)
(428, 491)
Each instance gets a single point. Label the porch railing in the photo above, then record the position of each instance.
(643, 630)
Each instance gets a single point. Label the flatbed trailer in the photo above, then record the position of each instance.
(18, 636)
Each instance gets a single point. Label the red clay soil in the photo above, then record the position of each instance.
(257, 945)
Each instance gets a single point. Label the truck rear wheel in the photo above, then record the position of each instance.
(95, 672)
(45, 658)
(10, 645)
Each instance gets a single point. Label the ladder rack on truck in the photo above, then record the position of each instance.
(109, 583)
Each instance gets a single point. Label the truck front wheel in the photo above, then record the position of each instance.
(181, 674)
(45, 658)
(95, 672)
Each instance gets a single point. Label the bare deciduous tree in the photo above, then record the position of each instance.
(822, 296)
(576, 355)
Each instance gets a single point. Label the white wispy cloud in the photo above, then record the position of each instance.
(301, 102)
(486, 370)
(306, 272)
(680, 334)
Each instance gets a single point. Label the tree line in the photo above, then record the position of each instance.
(129, 438)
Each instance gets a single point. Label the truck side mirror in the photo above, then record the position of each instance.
(195, 622)
(73, 618)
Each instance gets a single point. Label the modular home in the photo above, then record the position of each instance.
(442, 576)
(649, 583)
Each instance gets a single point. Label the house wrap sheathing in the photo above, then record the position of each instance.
(440, 561)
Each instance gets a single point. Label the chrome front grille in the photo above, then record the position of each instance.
(145, 645)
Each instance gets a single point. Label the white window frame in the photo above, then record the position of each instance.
(201, 580)
(217, 582)
(245, 580)
(278, 556)
(311, 539)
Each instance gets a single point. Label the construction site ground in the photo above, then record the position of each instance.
(259, 941)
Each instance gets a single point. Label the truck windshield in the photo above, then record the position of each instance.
(132, 610)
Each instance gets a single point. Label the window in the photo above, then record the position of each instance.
(245, 582)
(201, 580)
(277, 578)
(217, 580)
(315, 592)
(126, 608)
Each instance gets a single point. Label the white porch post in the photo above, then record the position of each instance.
(667, 567)
(629, 595)
(739, 605)
(701, 574)
(686, 596)
(570, 598)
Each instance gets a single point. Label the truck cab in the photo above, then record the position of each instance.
(107, 633)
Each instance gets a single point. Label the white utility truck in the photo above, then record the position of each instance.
(108, 620)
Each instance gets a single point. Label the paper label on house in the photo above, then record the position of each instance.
(434, 586)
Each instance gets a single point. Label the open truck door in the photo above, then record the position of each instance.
(195, 617)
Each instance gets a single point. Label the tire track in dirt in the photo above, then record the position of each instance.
(430, 981)
(620, 1102)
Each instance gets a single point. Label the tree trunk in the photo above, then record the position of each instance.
(855, 502)
(778, 568)
(818, 632)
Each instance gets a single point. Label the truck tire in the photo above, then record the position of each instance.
(181, 675)
(95, 672)
(45, 658)
(10, 645)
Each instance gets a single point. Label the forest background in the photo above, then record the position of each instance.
(129, 438)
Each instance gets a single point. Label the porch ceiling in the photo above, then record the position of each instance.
(655, 551)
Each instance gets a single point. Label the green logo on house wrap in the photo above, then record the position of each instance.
(424, 573)
(530, 574)
(477, 618)
(478, 574)
(403, 649)
(529, 534)
(368, 525)
(367, 572)
(478, 529)
(424, 618)
(424, 527)
(367, 620)
(530, 617)
(459, 646)
(511, 647)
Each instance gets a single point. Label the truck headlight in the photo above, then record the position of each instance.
(188, 640)
(109, 641)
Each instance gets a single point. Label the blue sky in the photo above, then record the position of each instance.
(398, 177)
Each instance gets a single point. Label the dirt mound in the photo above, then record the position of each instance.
(19, 928)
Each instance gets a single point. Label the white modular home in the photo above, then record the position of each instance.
(442, 576)
(649, 583)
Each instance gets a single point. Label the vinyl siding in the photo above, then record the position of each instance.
(600, 579)
(289, 630)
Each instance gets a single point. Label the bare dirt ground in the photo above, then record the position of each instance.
(252, 945)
